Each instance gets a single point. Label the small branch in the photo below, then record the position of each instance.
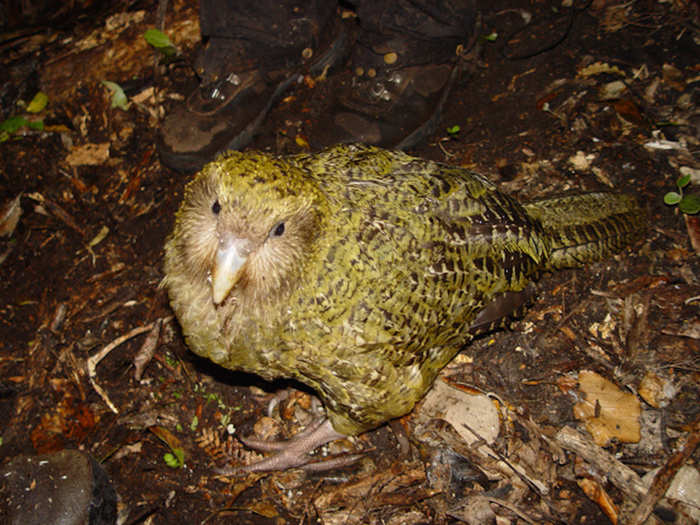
(99, 356)
(623, 477)
(664, 477)
(58, 212)
(512, 508)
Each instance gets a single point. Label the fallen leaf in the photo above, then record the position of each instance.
(134, 448)
(301, 142)
(262, 508)
(656, 390)
(463, 410)
(88, 154)
(629, 111)
(148, 348)
(118, 97)
(685, 487)
(9, 216)
(173, 443)
(608, 412)
(581, 161)
(612, 90)
(598, 494)
(598, 68)
(692, 224)
(673, 76)
(38, 103)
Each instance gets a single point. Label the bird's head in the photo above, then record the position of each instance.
(247, 225)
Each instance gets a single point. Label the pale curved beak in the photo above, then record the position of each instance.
(230, 258)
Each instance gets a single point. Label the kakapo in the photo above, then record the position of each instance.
(361, 272)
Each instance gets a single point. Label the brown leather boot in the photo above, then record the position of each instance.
(407, 58)
(244, 70)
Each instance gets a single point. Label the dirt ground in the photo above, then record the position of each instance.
(601, 95)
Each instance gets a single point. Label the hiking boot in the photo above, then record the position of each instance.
(402, 70)
(244, 75)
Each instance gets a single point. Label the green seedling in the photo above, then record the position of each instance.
(452, 131)
(161, 42)
(688, 203)
(15, 123)
(175, 459)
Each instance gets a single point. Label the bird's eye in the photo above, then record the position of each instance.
(278, 231)
(216, 207)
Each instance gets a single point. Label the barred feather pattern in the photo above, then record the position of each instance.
(587, 227)
(391, 265)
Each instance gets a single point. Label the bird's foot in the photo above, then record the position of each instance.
(294, 453)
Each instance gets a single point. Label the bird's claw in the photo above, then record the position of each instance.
(294, 453)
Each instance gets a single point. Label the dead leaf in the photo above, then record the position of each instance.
(608, 412)
(656, 390)
(463, 410)
(346, 503)
(581, 161)
(169, 439)
(598, 68)
(9, 216)
(629, 111)
(148, 348)
(692, 224)
(685, 487)
(598, 494)
(408, 517)
(566, 384)
(673, 76)
(476, 510)
(71, 420)
(88, 155)
(134, 448)
(689, 328)
(612, 90)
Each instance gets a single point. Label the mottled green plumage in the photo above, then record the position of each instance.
(379, 276)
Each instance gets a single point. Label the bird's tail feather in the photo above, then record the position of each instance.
(587, 227)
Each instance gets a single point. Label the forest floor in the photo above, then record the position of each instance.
(591, 390)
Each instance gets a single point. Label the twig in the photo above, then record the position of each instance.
(58, 212)
(664, 477)
(623, 477)
(536, 485)
(160, 14)
(99, 356)
(447, 154)
(512, 508)
(104, 396)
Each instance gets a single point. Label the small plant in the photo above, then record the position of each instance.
(16, 123)
(452, 131)
(688, 203)
(176, 459)
(161, 42)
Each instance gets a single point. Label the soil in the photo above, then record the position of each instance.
(601, 95)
